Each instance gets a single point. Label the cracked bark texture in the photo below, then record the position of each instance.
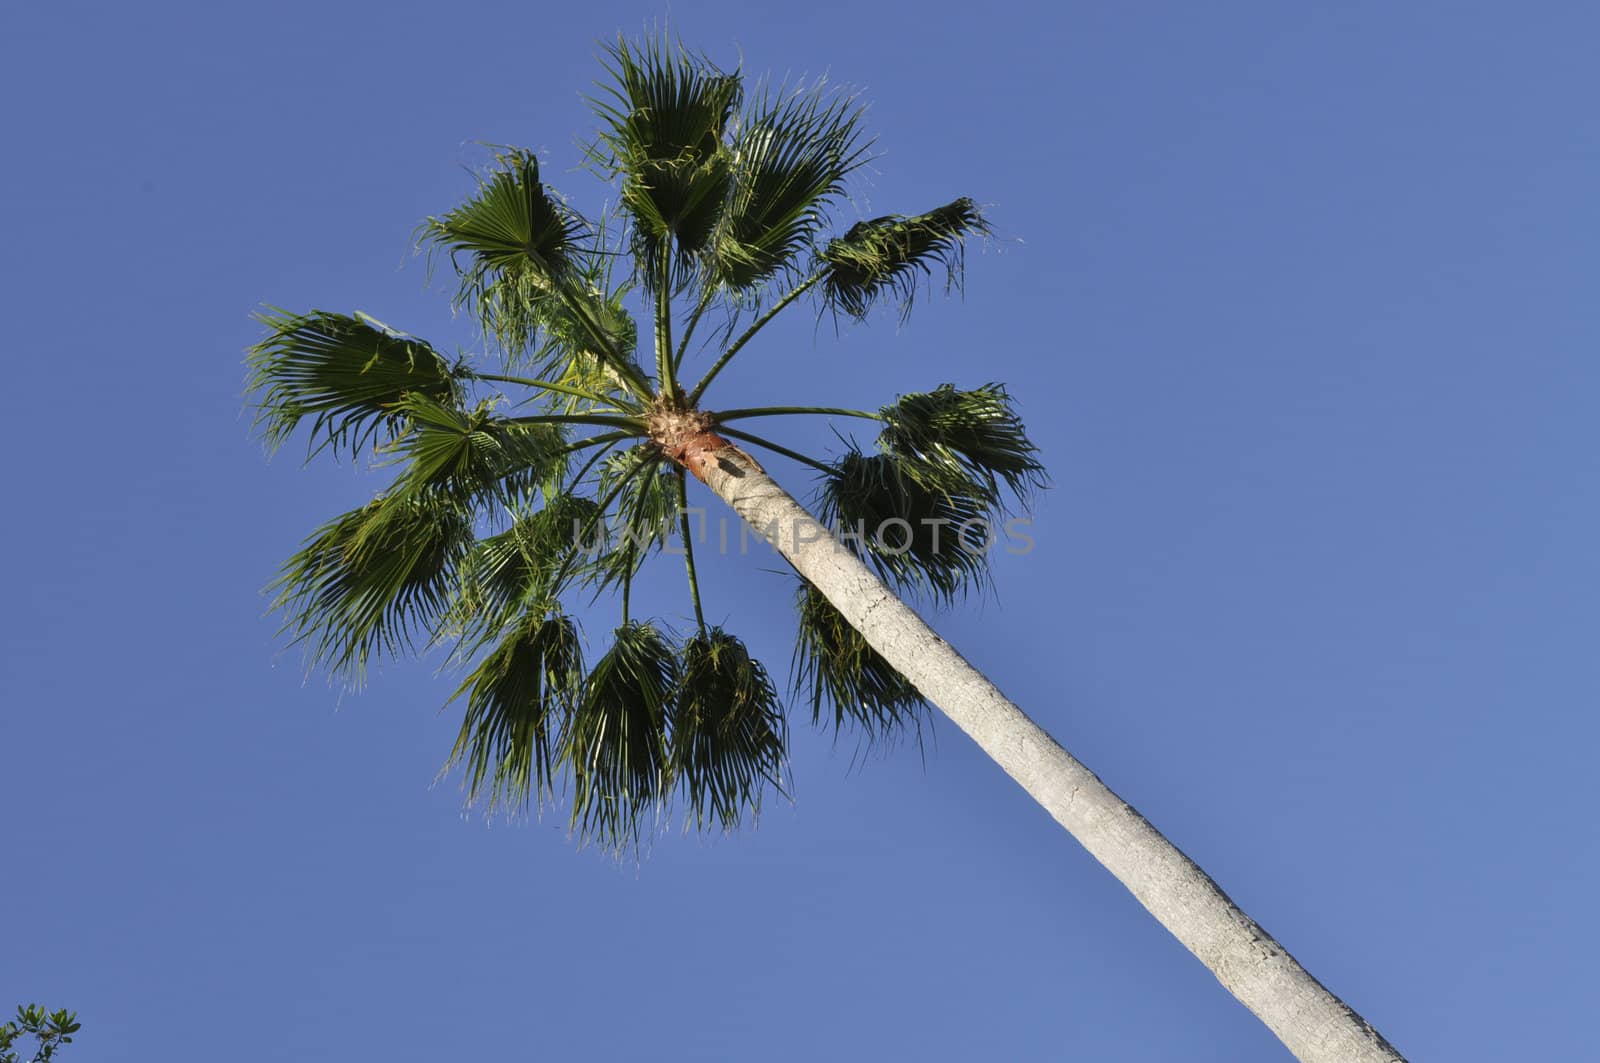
(1311, 1022)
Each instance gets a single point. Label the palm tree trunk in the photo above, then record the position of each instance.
(1314, 1024)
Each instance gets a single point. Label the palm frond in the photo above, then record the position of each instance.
(474, 455)
(847, 682)
(519, 701)
(918, 537)
(646, 504)
(665, 114)
(791, 154)
(891, 256)
(348, 374)
(514, 246)
(728, 734)
(504, 575)
(617, 742)
(947, 436)
(372, 581)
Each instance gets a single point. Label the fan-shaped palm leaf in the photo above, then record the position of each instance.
(948, 436)
(917, 536)
(845, 678)
(791, 155)
(373, 580)
(666, 112)
(519, 701)
(617, 743)
(520, 246)
(505, 574)
(475, 456)
(349, 374)
(890, 256)
(645, 507)
(728, 734)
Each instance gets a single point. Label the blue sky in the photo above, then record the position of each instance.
(1298, 301)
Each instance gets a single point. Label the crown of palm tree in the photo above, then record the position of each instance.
(727, 199)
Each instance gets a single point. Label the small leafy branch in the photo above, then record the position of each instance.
(49, 1029)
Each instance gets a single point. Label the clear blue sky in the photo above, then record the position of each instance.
(1299, 301)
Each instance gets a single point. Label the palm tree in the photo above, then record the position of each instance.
(554, 470)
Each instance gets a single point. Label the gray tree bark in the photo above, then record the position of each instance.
(1313, 1024)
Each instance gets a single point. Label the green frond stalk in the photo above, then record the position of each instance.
(776, 448)
(687, 531)
(729, 740)
(663, 331)
(783, 411)
(706, 299)
(639, 459)
(603, 401)
(348, 374)
(748, 334)
(891, 256)
(646, 499)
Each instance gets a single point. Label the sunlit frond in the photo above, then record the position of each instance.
(791, 151)
(889, 257)
(520, 699)
(348, 374)
(617, 743)
(728, 733)
(948, 436)
(665, 113)
(641, 517)
(474, 455)
(372, 582)
(847, 682)
(515, 247)
(505, 574)
(919, 537)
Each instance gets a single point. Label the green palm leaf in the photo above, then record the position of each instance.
(617, 743)
(846, 680)
(642, 516)
(505, 574)
(917, 536)
(728, 732)
(519, 701)
(791, 155)
(372, 581)
(892, 255)
(349, 374)
(514, 245)
(475, 456)
(964, 440)
(665, 114)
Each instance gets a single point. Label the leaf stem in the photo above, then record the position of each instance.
(635, 425)
(776, 411)
(794, 455)
(748, 334)
(694, 320)
(688, 550)
(547, 385)
(664, 322)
